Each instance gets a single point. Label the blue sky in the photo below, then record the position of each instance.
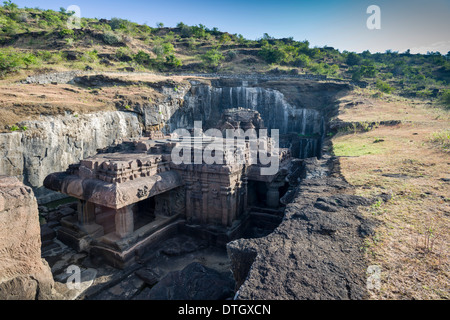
(405, 24)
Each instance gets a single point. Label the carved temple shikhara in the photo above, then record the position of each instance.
(135, 196)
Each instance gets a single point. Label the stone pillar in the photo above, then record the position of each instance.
(245, 186)
(205, 191)
(236, 202)
(225, 195)
(273, 196)
(124, 221)
(86, 212)
(251, 193)
(189, 204)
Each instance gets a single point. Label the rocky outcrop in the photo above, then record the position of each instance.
(54, 78)
(194, 282)
(23, 274)
(53, 143)
(299, 108)
(206, 103)
(315, 251)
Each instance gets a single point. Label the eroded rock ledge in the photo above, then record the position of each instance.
(315, 251)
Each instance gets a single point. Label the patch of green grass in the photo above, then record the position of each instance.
(441, 139)
(56, 203)
(356, 147)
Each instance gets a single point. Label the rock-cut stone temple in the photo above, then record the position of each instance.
(133, 196)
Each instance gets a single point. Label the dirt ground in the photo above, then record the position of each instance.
(410, 161)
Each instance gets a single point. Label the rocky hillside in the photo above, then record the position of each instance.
(37, 41)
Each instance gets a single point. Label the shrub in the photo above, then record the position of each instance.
(241, 39)
(272, 54)
(363, 71)
(142, 58)
(442, 139)
(191, 43)
(43, 24)
(9, 5)
(212, 57)
(146, 29)
(159, 51)
(185, 31)
(52, 18)
(117, 23)
(45, 55)
(425, 93)
(173, 61)
(231, 55)
(383, 86)
(318, 68)
(225, 38)
(357, 74)
(199, 31)
(29, 59)
(301, 61)
(353, 59)
(111, 38)
(12, 61)
(66, 33)
(123, 54)
(90, 56)
(445, 98)
(9, 26)
(69, 41)
(168, 48)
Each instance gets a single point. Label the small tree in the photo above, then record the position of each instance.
(225, 38)
(10, 5)
(159, 25)
(353, 59)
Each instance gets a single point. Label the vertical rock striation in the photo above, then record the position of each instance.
(53, 144)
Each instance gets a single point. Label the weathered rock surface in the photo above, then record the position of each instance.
(56, 77)
(194, 282)
(50, 144)
(315, 251)
(23, 274)
(53, 144)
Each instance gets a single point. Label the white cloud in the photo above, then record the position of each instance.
(442, 46)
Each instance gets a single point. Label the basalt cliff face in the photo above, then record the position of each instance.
(298, 108)
(53, 143)
(314, 254)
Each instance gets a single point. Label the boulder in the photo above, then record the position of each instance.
(24, 275)
(194, 282)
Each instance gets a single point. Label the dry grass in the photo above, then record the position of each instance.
(19, 102)
(411, 242)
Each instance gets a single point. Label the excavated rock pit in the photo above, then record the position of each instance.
(309, 251)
